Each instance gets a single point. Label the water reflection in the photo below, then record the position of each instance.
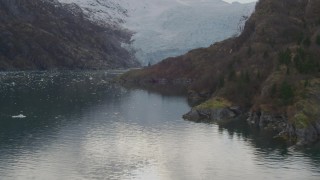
(80, 126)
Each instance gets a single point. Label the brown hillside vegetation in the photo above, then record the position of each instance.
(272, 67)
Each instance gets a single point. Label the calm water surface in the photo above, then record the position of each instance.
(80, 126)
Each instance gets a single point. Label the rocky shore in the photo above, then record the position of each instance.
(220, 110)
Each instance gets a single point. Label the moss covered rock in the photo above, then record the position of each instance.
(215, 109)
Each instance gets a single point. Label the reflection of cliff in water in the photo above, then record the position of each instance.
(167, 90)
(263, 140)
(48, 99)
(265, 144)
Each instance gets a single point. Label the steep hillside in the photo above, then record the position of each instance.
(44, 34)
(272, 69)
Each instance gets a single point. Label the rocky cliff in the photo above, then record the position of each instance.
(271, 72)
(44, 34)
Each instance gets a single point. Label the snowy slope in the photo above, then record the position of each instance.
(166, 28)
(111, 12)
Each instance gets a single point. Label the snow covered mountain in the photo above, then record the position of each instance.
(166, 28)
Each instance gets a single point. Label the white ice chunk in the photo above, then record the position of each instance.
(19, 116)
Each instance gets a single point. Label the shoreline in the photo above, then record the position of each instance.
(207, 109)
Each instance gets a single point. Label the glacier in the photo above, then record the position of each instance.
(164, 28)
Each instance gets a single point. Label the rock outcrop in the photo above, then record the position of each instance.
(215, 110)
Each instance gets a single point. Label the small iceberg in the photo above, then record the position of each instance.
(19, 116)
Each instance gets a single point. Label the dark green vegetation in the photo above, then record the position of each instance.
(272, 68)
(43, 35)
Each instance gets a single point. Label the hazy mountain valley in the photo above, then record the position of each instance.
(168, 28)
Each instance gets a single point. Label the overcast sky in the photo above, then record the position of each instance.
(242, 1)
